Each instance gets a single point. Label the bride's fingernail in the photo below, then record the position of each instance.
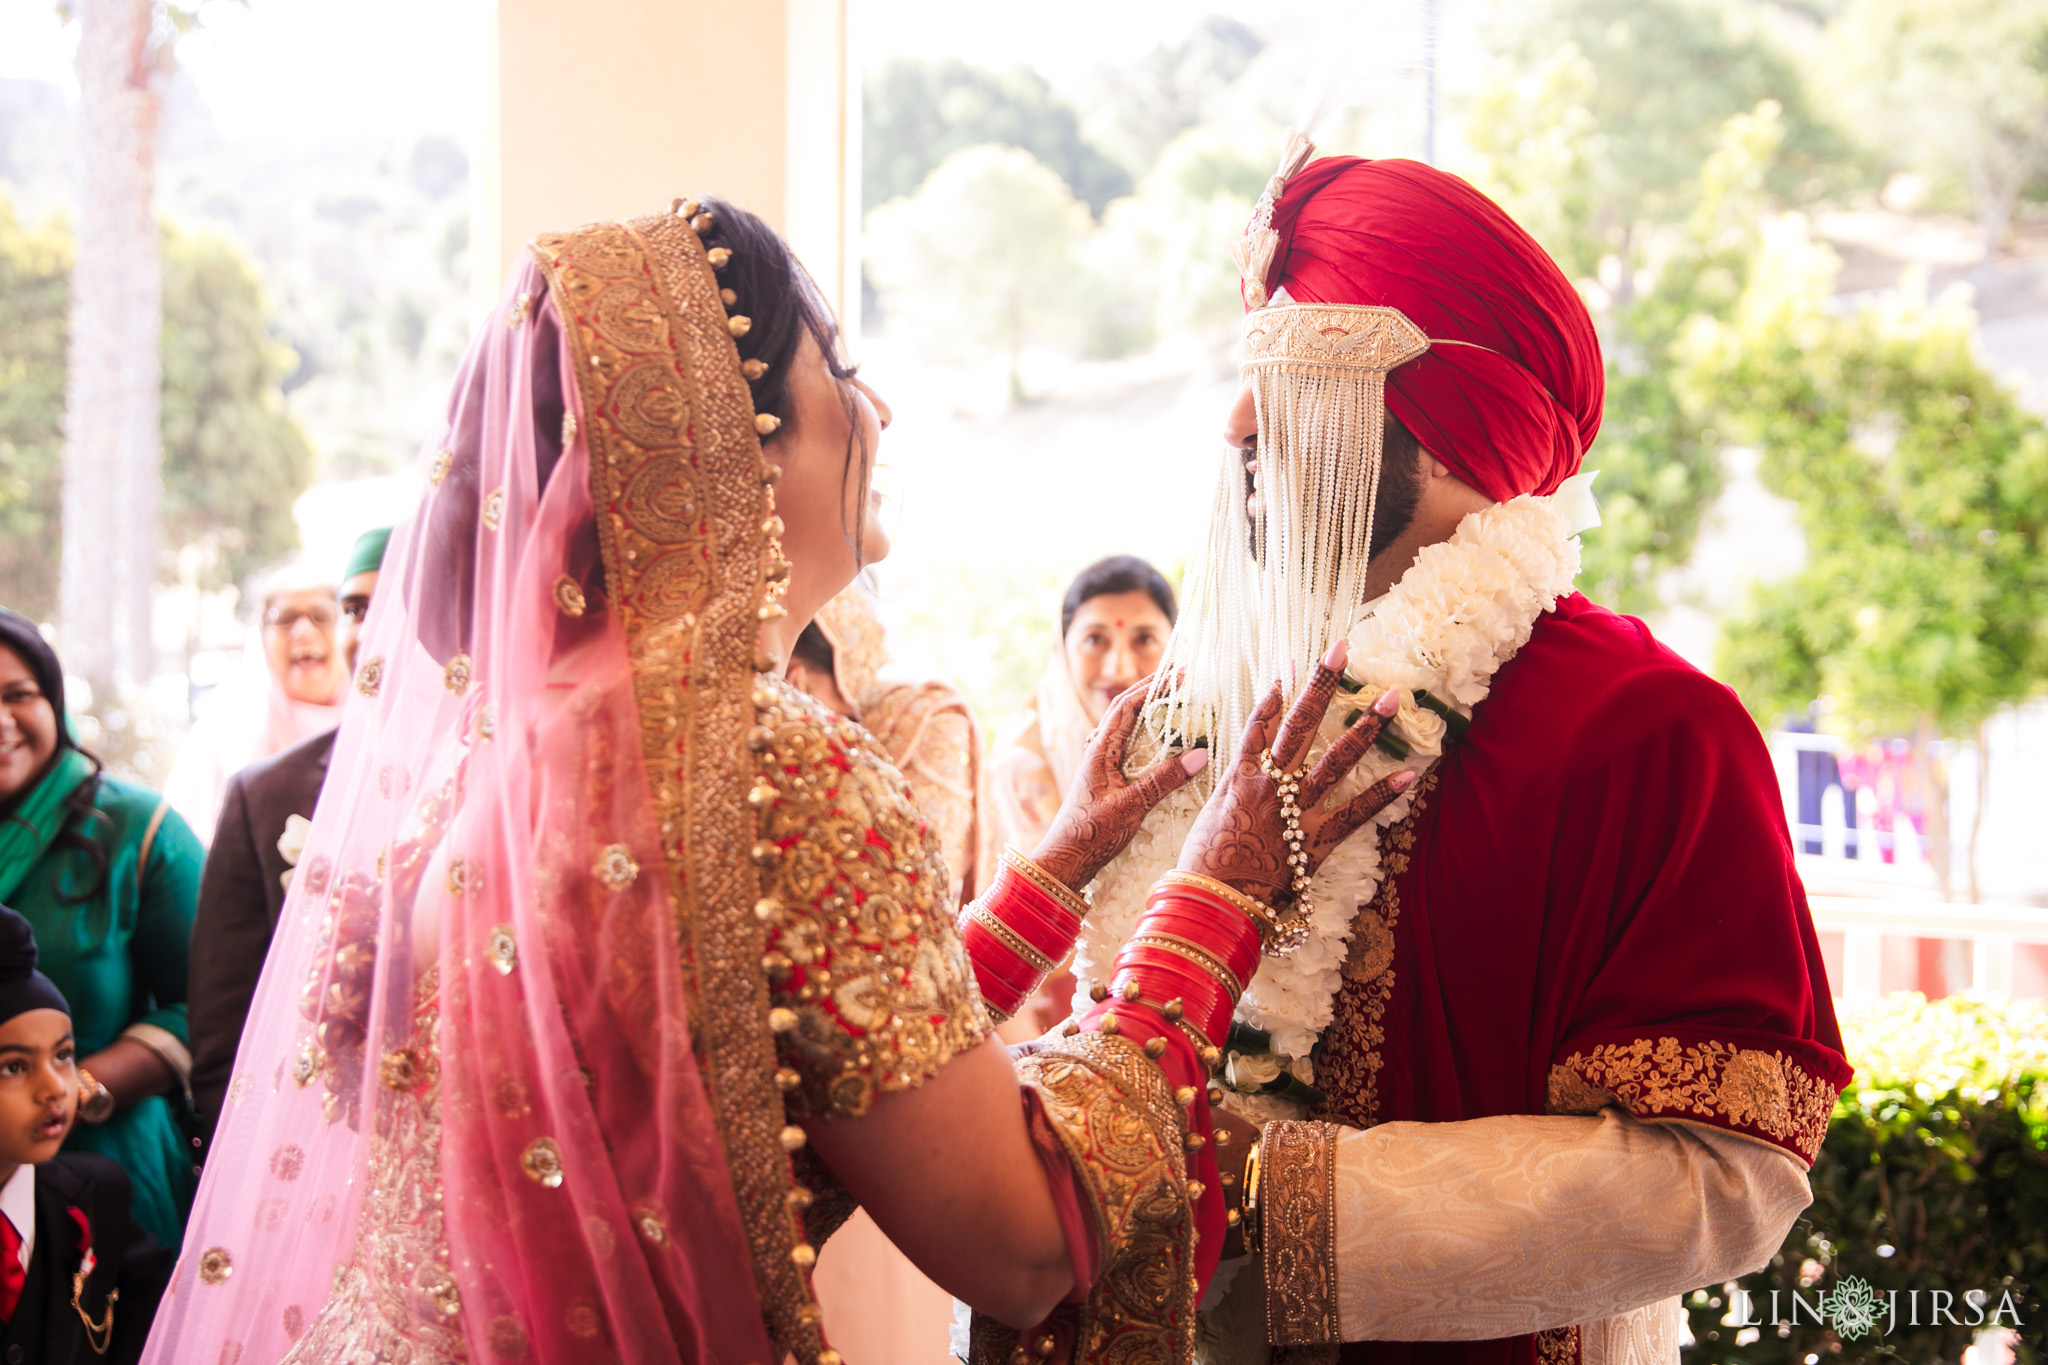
(1339, 652)
(1400, 782)
(1194, 760)
(1389, 702)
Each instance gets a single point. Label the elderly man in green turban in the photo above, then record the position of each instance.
(263, 821)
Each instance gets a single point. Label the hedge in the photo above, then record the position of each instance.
(1933, 1179)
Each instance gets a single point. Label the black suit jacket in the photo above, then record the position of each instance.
(46, 1329)
(240, 896)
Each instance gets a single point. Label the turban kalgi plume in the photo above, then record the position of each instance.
(1509, 393)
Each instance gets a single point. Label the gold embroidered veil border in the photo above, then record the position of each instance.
(681, 506)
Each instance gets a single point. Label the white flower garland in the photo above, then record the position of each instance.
(1462, 610)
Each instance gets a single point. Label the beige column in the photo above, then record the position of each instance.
(611, 109)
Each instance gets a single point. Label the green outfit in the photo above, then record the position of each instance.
(119, 956)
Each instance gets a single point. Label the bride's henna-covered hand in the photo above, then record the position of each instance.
(1103, 808)
(1240, 837)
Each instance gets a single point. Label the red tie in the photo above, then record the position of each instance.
(12, 1273)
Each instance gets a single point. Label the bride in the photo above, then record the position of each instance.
(615, 971)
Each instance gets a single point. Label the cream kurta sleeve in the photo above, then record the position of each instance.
(1498, 1226)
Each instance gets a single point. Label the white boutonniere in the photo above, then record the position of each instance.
(291, 844)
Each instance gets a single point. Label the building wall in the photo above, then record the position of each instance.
(613, 110)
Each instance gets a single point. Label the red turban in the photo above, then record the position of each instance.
(1512, 410)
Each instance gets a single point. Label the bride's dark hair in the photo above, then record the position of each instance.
(772, 288)
(769, 286)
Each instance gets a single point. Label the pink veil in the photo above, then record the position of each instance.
(486, 853)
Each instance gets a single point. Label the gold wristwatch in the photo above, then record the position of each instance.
(1249, 1225)
(95, 1101)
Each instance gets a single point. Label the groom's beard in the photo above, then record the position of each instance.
(1400, 487)
(1400, 491)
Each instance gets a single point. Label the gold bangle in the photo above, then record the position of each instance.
(1011, 939)
(1195, 953)
(1277, 936)
(1249, 1219)
(1256, 910)
(1072, 900)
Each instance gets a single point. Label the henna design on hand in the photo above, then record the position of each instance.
(1104, 808)
(1240, 838)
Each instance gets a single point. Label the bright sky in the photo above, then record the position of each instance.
(1061, 38)
(338, 65)
(412, 65)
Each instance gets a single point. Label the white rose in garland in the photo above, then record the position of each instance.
(1461, 611)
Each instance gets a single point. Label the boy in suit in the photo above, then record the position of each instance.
(79, 1279)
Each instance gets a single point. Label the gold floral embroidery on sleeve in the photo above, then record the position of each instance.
(1116, 1116)
(1298, 1203)
(1747, 1090)
(861, 950)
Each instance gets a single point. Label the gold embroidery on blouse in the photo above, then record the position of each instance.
(1117, 1118)
(1765, 1094)
(876, 978)
(395, 1298)
(1298, 1232)
(1348, 1057)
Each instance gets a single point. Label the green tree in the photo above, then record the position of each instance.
(1640, 141)
(982, 258)
(234, 462)
(1922, 488)
(1659, 458)
(1957, 90)
(1161, 261)
(1142, 108)
(917, 113)
(1627, 99)
(35, 289)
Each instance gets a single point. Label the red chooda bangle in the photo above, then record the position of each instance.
(1018, 931)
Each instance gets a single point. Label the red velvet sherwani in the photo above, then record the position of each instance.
(1594, 902)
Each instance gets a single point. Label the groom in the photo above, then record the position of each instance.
(1580, 1051)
